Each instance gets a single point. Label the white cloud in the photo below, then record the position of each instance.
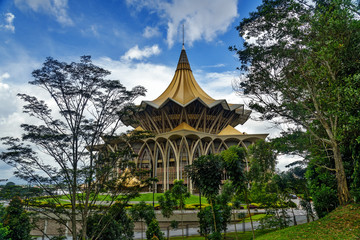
(4, 86)
(55, 8)
(215, 66)
(203, 19)
(154, 77)
(7, 99)
(139, 54)
(150, 32)
(9, 22)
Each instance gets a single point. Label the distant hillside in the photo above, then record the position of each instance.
(342, 223)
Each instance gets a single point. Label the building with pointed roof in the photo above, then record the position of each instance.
(186, 123)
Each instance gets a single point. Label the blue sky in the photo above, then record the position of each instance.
(139, 41)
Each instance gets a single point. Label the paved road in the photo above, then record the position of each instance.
(299, 214)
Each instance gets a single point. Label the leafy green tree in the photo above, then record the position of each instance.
(174, 198)
(296, 59)
(234, 160)
(17, 220)
(262, 159)
(322, 188)
(86, 111)
(2, 212)
(11, 190)
(152, 181)
(180, 193)
(307, 177)
(207, 225)
(167, 204)
(142, 211)
(206, 221)
(222, 201)
(116, 224)
(4, 232)
(153, 232)
(206, 173)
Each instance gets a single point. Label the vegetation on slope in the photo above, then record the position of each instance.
(342, 223)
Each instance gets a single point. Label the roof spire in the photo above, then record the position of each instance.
(183, 46)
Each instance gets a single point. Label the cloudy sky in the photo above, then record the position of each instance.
(139, 41)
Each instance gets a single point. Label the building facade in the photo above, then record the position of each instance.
(186, 123)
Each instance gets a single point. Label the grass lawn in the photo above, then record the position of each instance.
(148, 197)
(343, 223)
(255, 217)
(229, 236)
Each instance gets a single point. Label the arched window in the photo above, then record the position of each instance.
(144, 162)
(184, 160)
(171, 166)
(159, 169)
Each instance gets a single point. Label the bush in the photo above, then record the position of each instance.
(153, 231)
(115, 225)
(17, 220)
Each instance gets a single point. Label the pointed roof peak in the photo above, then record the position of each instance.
(183, 88)
(183, 63)
(184, 126)
(229, 130)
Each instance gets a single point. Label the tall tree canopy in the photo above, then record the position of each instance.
(300, 64)
(85, 106)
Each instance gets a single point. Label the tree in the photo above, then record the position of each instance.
(262, 161)
(180, 194)
(167, 204)
(296, 58)
(116, 224)
(234, 161)
(142, 211)
(153, 232)
(225, 211)
(175, 197)
(17, 220)
(206, 173)
(88, 109)
(4, 230)
(11, 190)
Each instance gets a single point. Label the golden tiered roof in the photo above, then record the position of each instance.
(185, 101)
(183, 88)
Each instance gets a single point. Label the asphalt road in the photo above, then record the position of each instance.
(299, 214)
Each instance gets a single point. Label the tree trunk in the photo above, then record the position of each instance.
(73, 213)
(343, 191)
(236, 235)
(182, 224)
(212, 206)
(248, 207)
(295, 223)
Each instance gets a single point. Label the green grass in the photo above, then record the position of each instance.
(229, 236)
(343, 223)
(147, 197)
(255, 217)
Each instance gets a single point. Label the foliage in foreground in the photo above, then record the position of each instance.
(82, 107)
(17, 221)
(342, 223)
(229, 236)
(116, 224)
(303, 69)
